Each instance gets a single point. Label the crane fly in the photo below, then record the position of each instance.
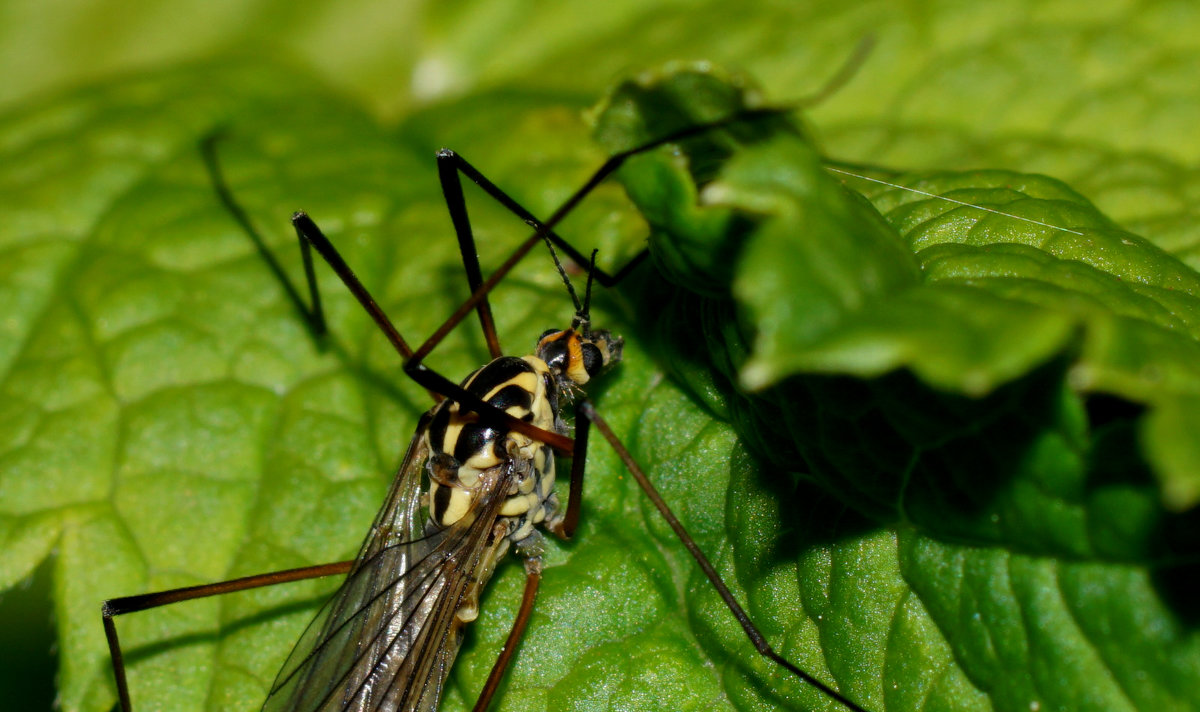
(388, 636)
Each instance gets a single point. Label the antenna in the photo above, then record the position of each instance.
(567, 280)
(583, 316)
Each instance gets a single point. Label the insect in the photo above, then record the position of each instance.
(387, 638)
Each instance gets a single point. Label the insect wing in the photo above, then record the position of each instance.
(383, 641)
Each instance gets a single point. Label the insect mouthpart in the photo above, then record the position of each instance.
(575, 357)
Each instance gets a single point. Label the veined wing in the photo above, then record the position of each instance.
(385, 641)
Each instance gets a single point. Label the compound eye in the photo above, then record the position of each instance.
(546, 333)
(593, 360)
(554, 353)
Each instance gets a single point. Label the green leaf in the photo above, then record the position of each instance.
(168, 421)
(1026, 295)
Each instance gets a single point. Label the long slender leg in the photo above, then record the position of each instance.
(590, 416)
(533, 578)
(457, 205)
(450, 164)
(143, 602)
(565, 529)
(314, 316)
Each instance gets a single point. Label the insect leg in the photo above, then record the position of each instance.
(314, 316)
(457, 205)
(586, 415)
(565, 528)
(310, 234)
(450, 164)
(533, 578)
(143, 602)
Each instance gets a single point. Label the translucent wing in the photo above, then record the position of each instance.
(386, 639)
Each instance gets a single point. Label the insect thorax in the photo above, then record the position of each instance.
(462, 447)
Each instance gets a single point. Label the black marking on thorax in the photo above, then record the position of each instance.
(476, 434)
(495, 373)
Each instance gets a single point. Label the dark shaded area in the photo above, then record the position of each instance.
(820, 519)
(1104, 410)
(1180, 588)
(1124, 483)
(27, 644)
(998, 470)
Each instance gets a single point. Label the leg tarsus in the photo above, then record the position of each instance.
(114, 607)
(588, 412)
(533, 578)
(118, 659)
(316, 315)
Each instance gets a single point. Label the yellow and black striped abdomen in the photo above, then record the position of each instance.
(462, 447)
